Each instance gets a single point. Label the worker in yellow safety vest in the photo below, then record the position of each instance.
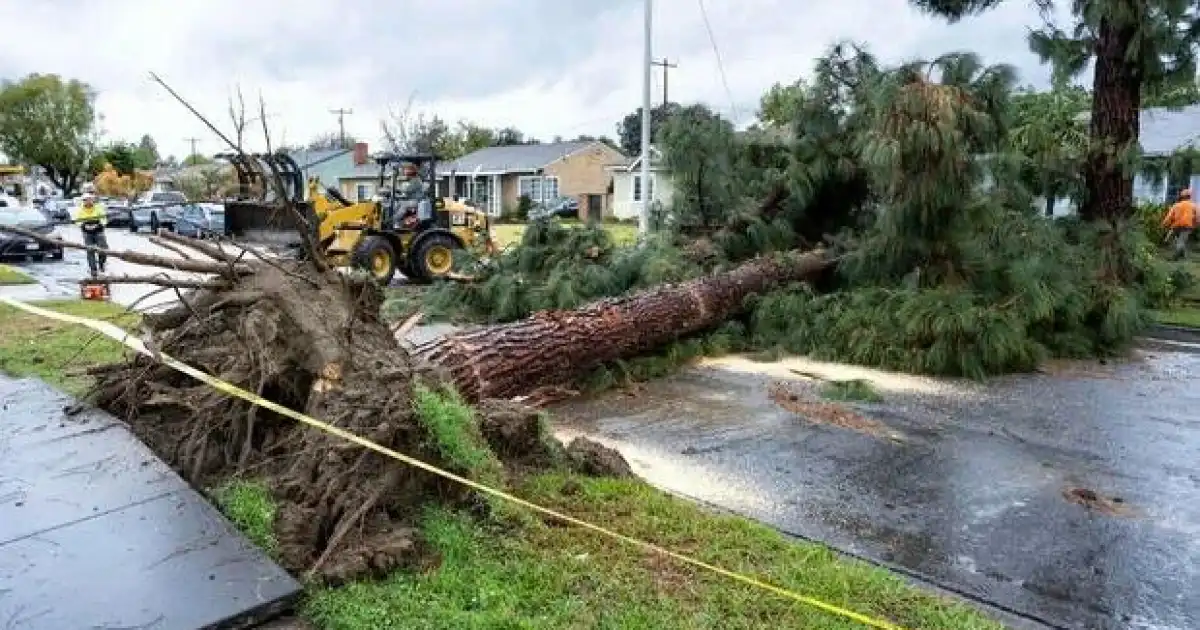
(92, 219)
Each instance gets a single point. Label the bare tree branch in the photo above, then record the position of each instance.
(237, 114)
(315, 257)
(170, 247)
(137, 258)
(161, 280)
(208, 249)
(396, 131)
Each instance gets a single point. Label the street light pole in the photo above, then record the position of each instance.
(647, 60)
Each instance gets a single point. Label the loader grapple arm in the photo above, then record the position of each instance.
(259, 215)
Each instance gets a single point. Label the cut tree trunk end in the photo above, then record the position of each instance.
(551, 348)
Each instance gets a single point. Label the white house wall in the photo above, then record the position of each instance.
(624, 207)
(1145, 190)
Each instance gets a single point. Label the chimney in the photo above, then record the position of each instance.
(360, 153)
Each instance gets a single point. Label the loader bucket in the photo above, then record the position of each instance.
(259, 215)
(269, 224)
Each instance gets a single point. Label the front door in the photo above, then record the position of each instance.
(595, 208)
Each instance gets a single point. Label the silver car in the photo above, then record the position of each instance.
(201, 220)
(157, 209)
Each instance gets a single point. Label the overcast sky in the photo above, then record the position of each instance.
(548, 67)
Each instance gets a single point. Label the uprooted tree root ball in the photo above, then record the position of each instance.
(312, 341)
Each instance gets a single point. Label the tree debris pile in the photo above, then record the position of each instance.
(555, 267)
(312, 341)
(916, 174)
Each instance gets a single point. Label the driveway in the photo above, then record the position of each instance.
(59, 279)
(1072, 499)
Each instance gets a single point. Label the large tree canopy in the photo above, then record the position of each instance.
(629, 130)
(1137, 48)
(49, 122)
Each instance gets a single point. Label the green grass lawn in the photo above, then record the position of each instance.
(35, 346)
(510, 233)
(1187, 312)
(533, 574)
(11, 275)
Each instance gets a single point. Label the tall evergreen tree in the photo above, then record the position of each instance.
(1138, 48)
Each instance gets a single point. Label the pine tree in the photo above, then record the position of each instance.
(1138, 48)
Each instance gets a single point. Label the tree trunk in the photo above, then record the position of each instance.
(1050, 192)
(552, 347)
(1116, 100)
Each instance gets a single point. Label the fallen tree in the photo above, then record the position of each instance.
(312, 339)
(552, 347)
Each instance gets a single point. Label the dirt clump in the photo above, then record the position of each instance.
(311, 340)
(833, 414)
(597, 460)
(517, 433)
(1095, 502)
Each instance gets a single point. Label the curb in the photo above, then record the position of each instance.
(1185, 334)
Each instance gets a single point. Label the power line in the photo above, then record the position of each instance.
(666, 65)
(341, 114)
(720, 64)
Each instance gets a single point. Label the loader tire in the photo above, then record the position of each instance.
(376, 255)
(434, 257)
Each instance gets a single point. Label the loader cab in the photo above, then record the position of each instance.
(401, 202)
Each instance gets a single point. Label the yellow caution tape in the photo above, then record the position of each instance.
(121, 336)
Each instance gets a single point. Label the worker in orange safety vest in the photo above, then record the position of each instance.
(1181, 221)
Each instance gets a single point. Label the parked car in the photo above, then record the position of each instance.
(22, 247)
(157, 209)
(118, 212)
(57, 210)
(201, 220)
(564, 207)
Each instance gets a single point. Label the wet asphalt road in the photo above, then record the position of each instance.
(58, 280)
(981, 489)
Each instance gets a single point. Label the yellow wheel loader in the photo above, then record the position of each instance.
(405, 228)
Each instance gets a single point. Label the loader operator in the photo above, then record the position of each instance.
(410, 193)
(1181, 221)
(92, 219)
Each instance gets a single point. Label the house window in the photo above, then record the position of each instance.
(637, 187)
(538, 189)
(362, 192)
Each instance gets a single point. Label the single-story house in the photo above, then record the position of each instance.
(496, 177)
(351, 171)
(627, 185)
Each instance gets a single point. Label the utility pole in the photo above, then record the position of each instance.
(666, 65)
(192, 141)
(647, 59)
(341, 114)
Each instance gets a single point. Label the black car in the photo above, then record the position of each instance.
(14, 246)
(563, 207)
(118, 212)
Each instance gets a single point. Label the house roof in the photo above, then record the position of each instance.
(632, 163)
(1165, 130)
(517, 158)
(307, 159)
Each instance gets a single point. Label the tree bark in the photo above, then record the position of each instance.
(1116, 100)
(552, 347)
